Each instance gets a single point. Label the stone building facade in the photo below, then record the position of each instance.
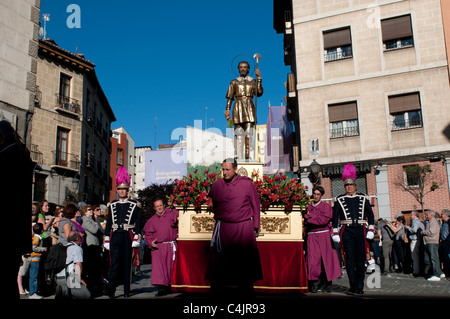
(370, 86)
(68, 140)
(19, 32)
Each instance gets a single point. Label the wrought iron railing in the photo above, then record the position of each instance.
(338, 53)
(342, 132)
(68, 104)
(36, 155)
(67, 160)
(398, 125)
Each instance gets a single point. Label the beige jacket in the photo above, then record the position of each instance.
(431, 232)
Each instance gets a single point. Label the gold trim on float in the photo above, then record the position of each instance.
(255, 287)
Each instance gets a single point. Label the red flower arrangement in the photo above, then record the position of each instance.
(193, 190)
(273, 190)
(280, 190)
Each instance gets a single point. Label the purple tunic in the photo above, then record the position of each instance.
(234, 257)
(163, 228)
(318, 243)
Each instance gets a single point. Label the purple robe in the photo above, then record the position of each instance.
(318, 243)
(163, 228)
(234, 257)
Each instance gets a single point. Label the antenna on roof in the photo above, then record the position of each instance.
(43, 32)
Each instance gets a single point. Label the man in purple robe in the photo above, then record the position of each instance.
(161, 232)
(234, 258)
(322, 260)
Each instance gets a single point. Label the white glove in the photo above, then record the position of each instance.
(135, 244)
(369, 235)
(336, 239)
(106, 245)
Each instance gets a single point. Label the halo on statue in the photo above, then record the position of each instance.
(243, 57)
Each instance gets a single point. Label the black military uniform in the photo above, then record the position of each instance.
(123, 226)
(356, 218)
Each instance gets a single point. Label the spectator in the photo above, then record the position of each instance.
(92, 248)
(69, 281)
(23, 271)
(54, 231)
(41, 213)
(65, 225)
(445, 242)
(386, 235)
(77, 221)
(35, 259)
(400, 243)
(431, 242)
(416, 242)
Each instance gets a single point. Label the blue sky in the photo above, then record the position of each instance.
(171, 59)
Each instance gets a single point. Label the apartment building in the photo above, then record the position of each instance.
(369, 85)
(73, 161)
(19, 29)
(122, 155)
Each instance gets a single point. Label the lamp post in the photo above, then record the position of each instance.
(315, 170)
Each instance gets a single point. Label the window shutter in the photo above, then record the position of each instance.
(396, 28)
(337, 38)
(403, 103)
(342, 112)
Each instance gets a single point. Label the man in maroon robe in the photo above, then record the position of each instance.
(161, 232)
(322, 260)
(234, 258)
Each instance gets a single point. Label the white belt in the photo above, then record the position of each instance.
(216, 237)
(174, 247)
(122, 226)
(319, 231)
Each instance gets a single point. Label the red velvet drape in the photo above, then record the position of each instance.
(283, 265)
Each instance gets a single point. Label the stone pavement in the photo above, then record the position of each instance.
(391, 290)
(394, 285)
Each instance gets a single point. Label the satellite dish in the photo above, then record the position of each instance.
(41, 31)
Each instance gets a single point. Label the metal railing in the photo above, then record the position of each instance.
(338, 53)
(67, 160)
(36, 155)
(68, 104)
(398, 125)
(343, 132)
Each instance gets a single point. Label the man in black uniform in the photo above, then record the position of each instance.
(357, 225)
(122, 233)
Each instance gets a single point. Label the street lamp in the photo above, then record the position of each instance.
(315, 169)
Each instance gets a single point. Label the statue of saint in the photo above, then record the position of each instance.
(243, 115)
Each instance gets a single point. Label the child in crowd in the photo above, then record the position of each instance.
(35, 259)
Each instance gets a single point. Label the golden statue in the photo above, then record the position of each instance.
(243, 89)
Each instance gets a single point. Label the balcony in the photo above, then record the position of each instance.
(36, 155)
(67, 105)
(339, 53)
(65, 160)
(344, 132)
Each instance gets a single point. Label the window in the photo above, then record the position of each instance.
(62, 144)
(120, 157)
(338, 188)
(397, 32)
(337, 44)
(64, 87)
(343, 119)
(411, 175)
(405, 111)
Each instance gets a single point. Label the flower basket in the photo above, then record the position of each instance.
(281, 191)
(192, 191)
